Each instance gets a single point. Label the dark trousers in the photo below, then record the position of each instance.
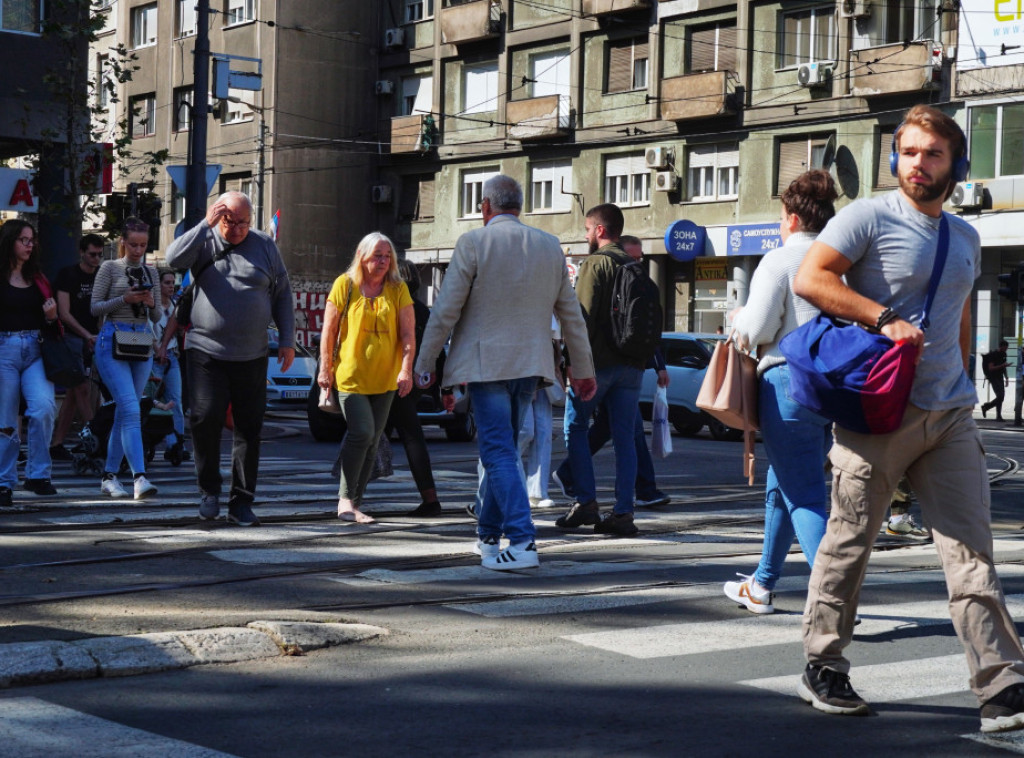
(213, 384)
(996, 382)
(403, 418)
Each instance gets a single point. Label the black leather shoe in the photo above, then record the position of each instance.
(426, 510)
(580, 514)
(40, 486)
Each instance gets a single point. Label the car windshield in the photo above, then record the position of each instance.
(272, 342)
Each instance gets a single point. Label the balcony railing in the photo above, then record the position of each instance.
(412, 134)
(470, 21)
(538, 117)
(603, 7)
(891, 69)
(697, 96)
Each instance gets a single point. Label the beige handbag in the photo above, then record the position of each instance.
(329, 395)
(729, 393)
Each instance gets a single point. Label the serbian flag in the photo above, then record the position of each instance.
(275, 224)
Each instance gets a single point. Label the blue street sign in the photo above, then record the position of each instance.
(684, 240)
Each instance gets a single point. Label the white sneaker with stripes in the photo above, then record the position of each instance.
(513, 558)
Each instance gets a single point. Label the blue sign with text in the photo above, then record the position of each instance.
(753, 239)
(684, 240)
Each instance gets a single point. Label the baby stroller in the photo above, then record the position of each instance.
(158, 425)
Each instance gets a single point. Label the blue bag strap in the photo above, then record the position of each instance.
(940, 262)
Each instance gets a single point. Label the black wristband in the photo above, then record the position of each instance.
(886, 317)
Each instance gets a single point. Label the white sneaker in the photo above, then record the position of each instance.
(513, 558)
(143, 488)
(749, 594)
(542, 502)
(113, 488)
(487, 547)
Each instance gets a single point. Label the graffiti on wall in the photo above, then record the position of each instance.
(310, 299)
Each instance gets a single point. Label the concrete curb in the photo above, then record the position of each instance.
(24, 663)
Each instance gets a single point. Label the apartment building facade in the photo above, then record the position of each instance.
(693, 115)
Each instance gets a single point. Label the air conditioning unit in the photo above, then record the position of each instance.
(658, 157)
(855, 9)
(381, 193)
(394, 38)
(666, 181)
(385, 87)
(813, 74)
(968, 195)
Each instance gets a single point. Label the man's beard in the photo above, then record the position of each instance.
(592, 245)
(926, 193)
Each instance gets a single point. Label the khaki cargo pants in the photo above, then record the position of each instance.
(942, 455)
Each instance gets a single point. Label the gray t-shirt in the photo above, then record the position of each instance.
(238, 296)
(892, 248)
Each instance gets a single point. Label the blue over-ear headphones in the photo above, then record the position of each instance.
(961, 166)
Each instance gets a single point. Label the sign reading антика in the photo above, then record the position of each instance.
(684, 240)
(991, 33)
(752, 239)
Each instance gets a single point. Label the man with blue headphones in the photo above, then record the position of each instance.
(874, 264)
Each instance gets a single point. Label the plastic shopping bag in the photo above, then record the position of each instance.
(661, 444)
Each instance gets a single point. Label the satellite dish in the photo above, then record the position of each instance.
(829, 156)
(845, 173)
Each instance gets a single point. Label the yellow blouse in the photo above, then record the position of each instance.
(370, 350)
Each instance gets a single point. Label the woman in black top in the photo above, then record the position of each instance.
(26, 307)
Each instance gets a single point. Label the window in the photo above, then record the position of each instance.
(797, 156)
(711, 48)
(883, 175)
(417, 95)
(480, 87)
(902, 20)
(144, 25)
(997, 140)
(236, 183)
(627, 65)
(240, 111)
(550, 73)
(185, 24)
(182, 109)
(807, 36)
(627, 180)
(713, 172)
(21, 16)
(472, 190)
(547, 180)
(143, 115)
(240, 11)
(417, 201)
(418, 10)
(104, 81)
(177, 205)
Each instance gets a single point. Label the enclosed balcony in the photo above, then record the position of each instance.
(538, 118)
(412, 134)
(891, 69)
(604, 7)
(463, 22)
(698, 96)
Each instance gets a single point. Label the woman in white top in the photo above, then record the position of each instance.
(795, 439)
(127, 295)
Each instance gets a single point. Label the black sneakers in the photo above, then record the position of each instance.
(618, 525)
(578, 515)
(426, 510)
(830, 692)
(1004, 712)
(40, 486)
(241, 513)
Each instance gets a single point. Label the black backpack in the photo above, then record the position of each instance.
(636, 316)
(989, 361)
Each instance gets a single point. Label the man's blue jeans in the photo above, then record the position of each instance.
(796, 441)
(618, 389)
(499, 408)
(22, 373)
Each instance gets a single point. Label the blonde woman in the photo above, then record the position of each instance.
(367, 349)
(126, 295)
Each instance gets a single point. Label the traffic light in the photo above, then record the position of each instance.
(1011, 285)
(149, 207)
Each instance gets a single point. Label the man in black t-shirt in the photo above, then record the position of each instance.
(74, 293)
(994, 365)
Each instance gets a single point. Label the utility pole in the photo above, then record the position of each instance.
(195, 186)
(260, 169)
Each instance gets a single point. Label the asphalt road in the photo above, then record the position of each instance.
(613, 647)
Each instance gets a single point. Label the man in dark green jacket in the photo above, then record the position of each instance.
(618, 384)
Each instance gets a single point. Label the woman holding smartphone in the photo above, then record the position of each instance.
(126, 295)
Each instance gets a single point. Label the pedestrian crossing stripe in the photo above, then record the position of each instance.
(33, 728)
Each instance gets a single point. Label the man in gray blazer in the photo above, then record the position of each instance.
(502, 285)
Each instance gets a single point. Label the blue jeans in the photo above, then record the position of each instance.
(797, 442)
(618, 389)
(22, 373)
(170, 374)
(125, 381)
(499, 408)
(598, 436)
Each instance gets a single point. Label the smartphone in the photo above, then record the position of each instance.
(143, 287)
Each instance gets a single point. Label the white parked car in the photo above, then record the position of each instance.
(288, 389)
